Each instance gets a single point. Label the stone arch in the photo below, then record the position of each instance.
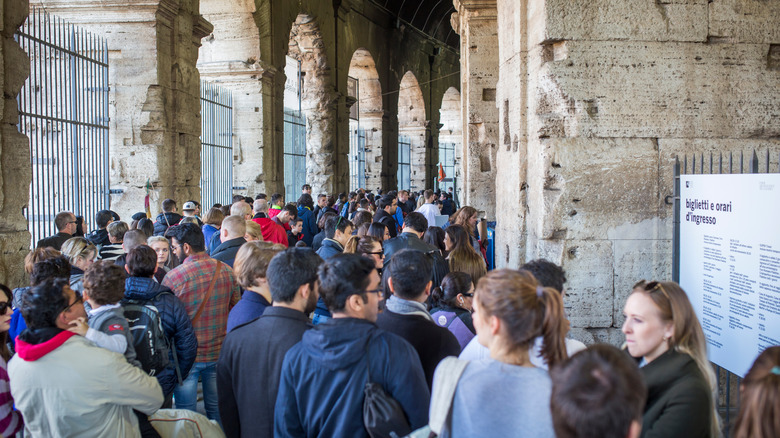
(450, 137)
(230, 56)
(370, 112)
(412, 125)
(318, 104)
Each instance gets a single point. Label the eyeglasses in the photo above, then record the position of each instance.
(468, 295)
(4, 307)
(381, 254)
(78, 300)
(379, 292)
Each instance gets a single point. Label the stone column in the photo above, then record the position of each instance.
(476, 22)
(15, 174)
(155, 93)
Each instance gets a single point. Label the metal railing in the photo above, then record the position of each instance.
(357, 156)
(216, 138)
(294, 151)
(404, 163)
(728, 383)
(63, 109)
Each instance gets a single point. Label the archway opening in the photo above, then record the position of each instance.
(411, 135)
(450, 139)
(365, 122)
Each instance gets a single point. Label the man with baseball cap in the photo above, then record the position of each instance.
(192, 209)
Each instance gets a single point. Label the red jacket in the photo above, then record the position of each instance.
(271, 231)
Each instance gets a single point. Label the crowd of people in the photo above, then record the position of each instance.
(361, 314)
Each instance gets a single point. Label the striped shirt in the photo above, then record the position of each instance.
(190, 281)
(10, 418)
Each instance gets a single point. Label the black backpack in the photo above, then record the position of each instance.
(151, 345)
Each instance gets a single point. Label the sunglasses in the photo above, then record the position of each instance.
(4, 307)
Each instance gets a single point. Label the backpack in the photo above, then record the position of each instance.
(151, 344)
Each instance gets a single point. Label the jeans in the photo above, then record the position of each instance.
(186, 394)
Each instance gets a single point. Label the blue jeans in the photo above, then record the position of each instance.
(186, 394)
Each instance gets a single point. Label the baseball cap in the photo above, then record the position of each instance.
(189, 206)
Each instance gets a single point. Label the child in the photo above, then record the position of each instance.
(294, 235)
(104, 288)
(107, 327)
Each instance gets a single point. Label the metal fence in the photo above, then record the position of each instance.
(728, 383)
(357, 156)
(216, 138)
(294, 151)
(63, 109)
(404, 163)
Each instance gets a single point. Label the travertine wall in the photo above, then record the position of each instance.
(15, 174)
(475, 21)
(599, 97)
(155, 93)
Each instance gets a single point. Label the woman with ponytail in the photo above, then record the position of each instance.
(452, 304)
(506, 395)
(664, 334)
(759, 411)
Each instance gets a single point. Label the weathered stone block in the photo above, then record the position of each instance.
(644, 20)
(745, 21)
(639, 89)
(589, 271)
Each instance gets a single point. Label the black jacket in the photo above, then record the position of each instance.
(410, 241)
(316, 243)
(99, 237)
(226, 251)
(679, 401)
(383, 217)
(432, 343)
(249, 367)
(165, 220)
(54, 241)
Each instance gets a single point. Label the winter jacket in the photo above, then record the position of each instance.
(385, 218)
(458, 321)
(317, 241)
(249, 307)
(679, 401)
(208, 232)
(99, 238)
(431, 342)
(226, 251)
(323, 377)
(249, 368)
(111, 251)
(410, 241)
(271, 231)
(54, 241)
(176, 324)
(329, 248)
(164, 221)
(65, 386)
(310, 228)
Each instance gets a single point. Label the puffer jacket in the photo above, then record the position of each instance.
(165, 220)
(175, 322)
(65, 386)
(310, 228)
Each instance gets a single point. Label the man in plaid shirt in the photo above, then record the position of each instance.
(208, 290)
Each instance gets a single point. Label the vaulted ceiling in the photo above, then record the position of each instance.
(429, 16)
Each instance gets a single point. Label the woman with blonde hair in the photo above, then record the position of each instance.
(511, 309)
(81, 254)
(254, 232)
(664, 334)
(461, 255)
(368, 247)
(162, 247)
(759, 411)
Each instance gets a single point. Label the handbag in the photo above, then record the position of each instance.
(445, 382)
(383, 416)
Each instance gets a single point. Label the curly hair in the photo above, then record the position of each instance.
(104, 282)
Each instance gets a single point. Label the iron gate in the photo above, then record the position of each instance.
(294, 151)
(447, 160)
(404, 163)
(63, 109)
(357, 156)
(216, 138)
(728, 383)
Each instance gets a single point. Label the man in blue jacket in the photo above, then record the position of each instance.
(323, 376)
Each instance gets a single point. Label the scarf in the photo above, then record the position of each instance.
(405, 307)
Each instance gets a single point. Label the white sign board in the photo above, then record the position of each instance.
(730, 262)
(292, 85)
